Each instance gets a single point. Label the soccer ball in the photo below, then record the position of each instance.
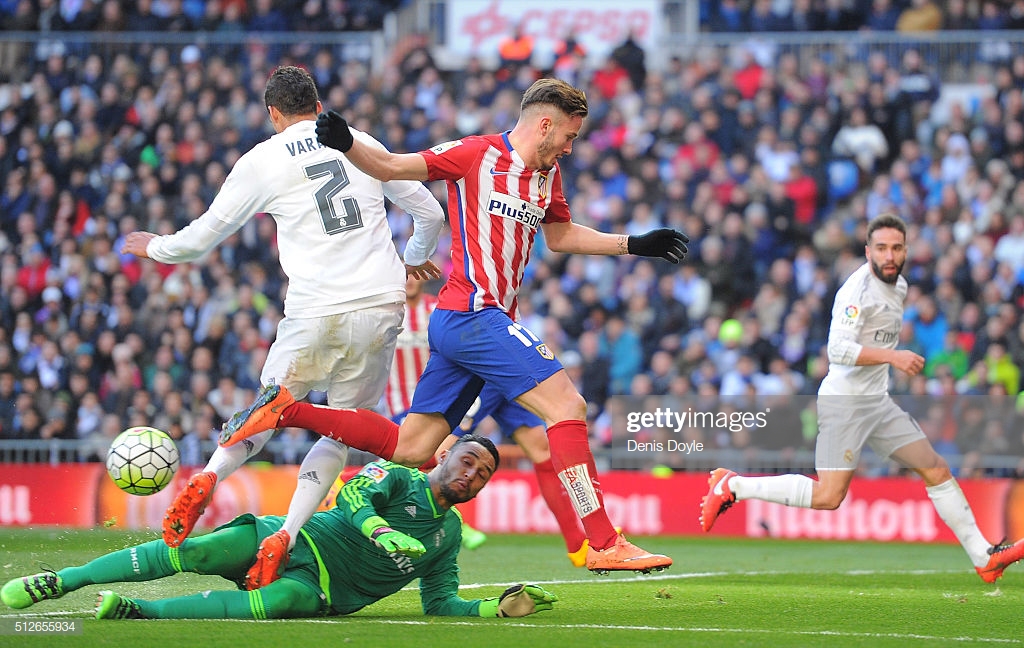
(142, 460)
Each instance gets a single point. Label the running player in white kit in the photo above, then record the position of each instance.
(854, 408)
(346, 286)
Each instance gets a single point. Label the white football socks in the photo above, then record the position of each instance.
(954, 510)
(789, 490)
(322, 465)
(227, 460)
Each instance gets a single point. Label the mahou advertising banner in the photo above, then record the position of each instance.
(888, 509)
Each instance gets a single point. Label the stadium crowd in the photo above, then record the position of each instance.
(771, 160)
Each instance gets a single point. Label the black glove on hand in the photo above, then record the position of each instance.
(332, 130)
(666, 243)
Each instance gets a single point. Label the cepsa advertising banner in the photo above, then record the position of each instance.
(885, 509)
(478, 27)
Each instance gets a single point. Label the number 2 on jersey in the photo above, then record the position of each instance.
(337, 180)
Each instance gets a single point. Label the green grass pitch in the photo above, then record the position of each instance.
(720, 592)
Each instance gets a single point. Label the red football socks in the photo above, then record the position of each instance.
(359, 428)
(560, 504)
(574, 463)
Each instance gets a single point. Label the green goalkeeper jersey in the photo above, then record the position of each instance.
(360, 572)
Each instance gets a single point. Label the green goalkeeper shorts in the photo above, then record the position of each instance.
(303, 565)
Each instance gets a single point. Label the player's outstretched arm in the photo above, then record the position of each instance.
(333, 131)
(572, 238)
(518, 601)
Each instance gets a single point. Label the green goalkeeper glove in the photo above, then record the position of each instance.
(377, 530)
(393, 541)
(518, 601)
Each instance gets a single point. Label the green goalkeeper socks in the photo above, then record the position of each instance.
(225, 604)
(282, 599)
(144, 562)
(227, 553)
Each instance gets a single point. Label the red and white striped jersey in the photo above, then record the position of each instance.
(411, 353)
(495, 205)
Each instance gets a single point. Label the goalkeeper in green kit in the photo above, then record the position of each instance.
(391, 525)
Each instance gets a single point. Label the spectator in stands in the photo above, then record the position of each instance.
(622, 347)
(956, 17)
(1009, 248)
(882, 16)
(515, 51)
(569, 60)
(267, 17)
(631, 57)
(804, 17)
(921, 15)
(839, 15)
(1001, 369)
(861, 140)
(992, 16)
(8, 402)
(728, 17)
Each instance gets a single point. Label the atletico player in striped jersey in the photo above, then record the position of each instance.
(501, 189)
(411, 353)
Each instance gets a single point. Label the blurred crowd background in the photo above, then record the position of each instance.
(771, 158)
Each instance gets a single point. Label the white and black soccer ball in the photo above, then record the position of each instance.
(142, 460)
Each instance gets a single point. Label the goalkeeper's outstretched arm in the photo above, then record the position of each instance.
(439, 594)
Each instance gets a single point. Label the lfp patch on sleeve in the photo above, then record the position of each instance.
(850, 315)
(374, 472)
(441, 148)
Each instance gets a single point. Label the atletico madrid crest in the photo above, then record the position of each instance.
(544, 351)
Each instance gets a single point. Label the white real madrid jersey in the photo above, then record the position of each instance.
(867, 312)
(332, 232)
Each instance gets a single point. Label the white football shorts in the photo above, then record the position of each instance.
(846, 423)
(348, 355)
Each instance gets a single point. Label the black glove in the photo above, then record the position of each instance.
(332, 130)
(666, 243)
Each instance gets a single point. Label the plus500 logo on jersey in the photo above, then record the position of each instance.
(517, 209)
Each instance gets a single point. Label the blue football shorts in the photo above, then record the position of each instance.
(509, 415)
(468, 349)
